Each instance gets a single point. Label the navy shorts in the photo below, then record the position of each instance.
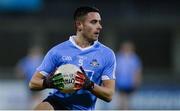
(55, 102)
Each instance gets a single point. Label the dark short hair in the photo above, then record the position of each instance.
(82, 11)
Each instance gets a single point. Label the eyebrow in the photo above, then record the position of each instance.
(96, 20)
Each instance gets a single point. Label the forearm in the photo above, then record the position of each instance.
(36, 82)
(104, 92)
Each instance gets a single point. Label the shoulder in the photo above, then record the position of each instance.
(60, 46)
(105, 49)
(107, 54)
(57, 49)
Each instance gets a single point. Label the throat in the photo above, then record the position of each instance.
(83, 43)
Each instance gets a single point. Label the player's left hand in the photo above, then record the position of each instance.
(83, 81)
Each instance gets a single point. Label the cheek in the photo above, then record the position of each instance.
(87, 30)
(90, 30)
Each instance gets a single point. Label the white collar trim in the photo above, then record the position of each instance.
(71, 39)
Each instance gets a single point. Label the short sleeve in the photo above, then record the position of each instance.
(110, 66)
(48, 64)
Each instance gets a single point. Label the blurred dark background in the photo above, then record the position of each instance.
(154, 26)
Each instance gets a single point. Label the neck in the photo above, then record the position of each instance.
(82, 41)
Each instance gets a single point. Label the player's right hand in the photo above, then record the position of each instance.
(83, 81)
(79, 80)
(54, 81)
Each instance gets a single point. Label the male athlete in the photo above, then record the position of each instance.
(96, 61)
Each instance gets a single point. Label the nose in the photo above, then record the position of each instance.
(99, 26)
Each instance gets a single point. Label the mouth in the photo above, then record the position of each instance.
(96, 33)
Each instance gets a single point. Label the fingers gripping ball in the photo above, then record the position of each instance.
(58, 81)
(79, 80)
(64, 78)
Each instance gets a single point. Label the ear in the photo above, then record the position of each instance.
(78, 25)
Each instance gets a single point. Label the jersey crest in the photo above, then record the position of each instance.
(94, 63)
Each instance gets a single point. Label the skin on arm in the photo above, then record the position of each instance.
(106, 91)
(44, 106)
(36, 82)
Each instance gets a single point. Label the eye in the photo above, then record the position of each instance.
(94, 21)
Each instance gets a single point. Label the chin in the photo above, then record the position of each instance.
(95, 38)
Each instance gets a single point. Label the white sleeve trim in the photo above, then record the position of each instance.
(105, 77)
(114, 70)
(43, 73)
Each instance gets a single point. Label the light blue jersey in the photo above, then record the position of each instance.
(97, 60)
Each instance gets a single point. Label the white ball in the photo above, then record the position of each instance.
(68, 72)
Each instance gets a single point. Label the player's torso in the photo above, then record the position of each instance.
(91, 60)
